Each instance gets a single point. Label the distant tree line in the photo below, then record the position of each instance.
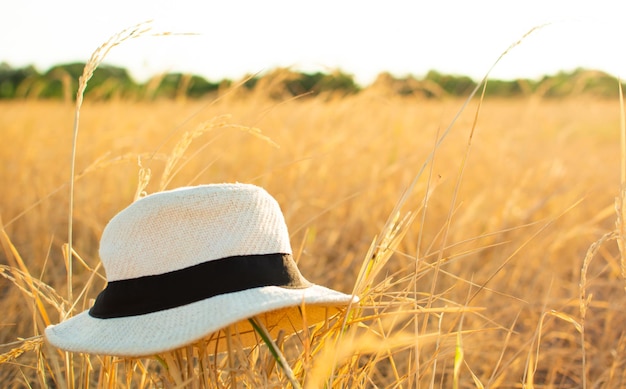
(61, 82)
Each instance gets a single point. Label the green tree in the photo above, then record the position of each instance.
(107, 80)
(316, 83)
(453, 85)
(184, 85)
(11, 79)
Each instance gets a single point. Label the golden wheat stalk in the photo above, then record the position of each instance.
(31, 344)
(173, 164)
(621, 199)
(94, 61)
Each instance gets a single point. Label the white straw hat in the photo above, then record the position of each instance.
(186, 264)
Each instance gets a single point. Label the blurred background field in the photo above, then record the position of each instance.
(505, 231)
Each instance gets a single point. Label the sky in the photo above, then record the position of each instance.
(362, 38)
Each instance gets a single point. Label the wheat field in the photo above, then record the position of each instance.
(494, 254)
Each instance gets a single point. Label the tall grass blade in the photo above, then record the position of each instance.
(276, 353)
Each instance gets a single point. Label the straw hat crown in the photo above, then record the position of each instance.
(180, 228)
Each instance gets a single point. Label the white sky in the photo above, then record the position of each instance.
(359, 37)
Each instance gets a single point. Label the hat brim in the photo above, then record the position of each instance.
(162, 331)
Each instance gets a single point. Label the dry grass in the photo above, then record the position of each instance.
(500, 268)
